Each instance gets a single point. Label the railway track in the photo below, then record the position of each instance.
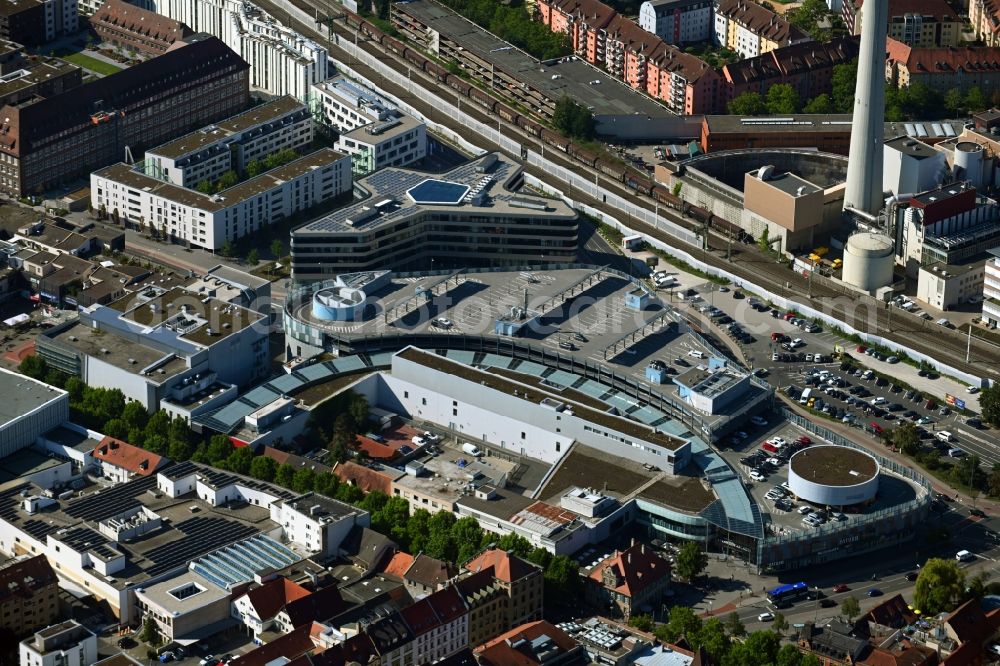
(746, 261)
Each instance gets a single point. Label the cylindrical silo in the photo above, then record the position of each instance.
(969, 162)
(868, 261)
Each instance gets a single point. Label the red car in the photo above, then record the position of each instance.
(876, 428)
(804, 441)
(861, 349)
(789, 316)
(840, 587)
(770, 448)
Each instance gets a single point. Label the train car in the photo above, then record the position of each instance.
(481, 98)
(611, 168)
(353, 20)
(458, 84)
(416, 58)
(394, 45)
(371, 31)
(639, 183)
(554, 139)
(700, 214)
(662, 194)
(507, 113)
(529, 125)
(726, 226)
(582, 154)
(439, 72)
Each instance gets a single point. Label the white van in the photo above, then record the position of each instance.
(964, 556)
(471, 449)
(696, 354)
(943, 435)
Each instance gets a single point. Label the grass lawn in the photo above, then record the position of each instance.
(93, 64)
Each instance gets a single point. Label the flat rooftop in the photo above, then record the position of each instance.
(25, 462)
(792, 185)
(23, 395)
(834, 465)
(911, 147)
(191, 527)
(571, 77)
(383, 130)
(388, 203)
(184, 593)
(211, 134)
(129, 176)
(630, 428)
(120, 352)
(35, 71)
(829, 124)
(72, 438)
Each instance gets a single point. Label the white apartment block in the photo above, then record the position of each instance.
(281, 124)
(347, 105)
(282, 62)
(395, 142)
(65, 644)
(62, 17)
(677, 21)
(371, 130)
(991, 290)
(208, 221)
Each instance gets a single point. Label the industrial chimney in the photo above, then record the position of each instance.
(864, 170)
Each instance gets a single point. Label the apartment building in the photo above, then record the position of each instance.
(677, 21)
(50, 141)
(282, 62)
(918, 23)
(68, 643)
(26, 76)
(36, 22)
(631, 579)
(751, 29)
(943, 68)
(130, 27)
(984, 16)
(807, 67)
(371, 130)
(231, 144)
(210, 220)
(991, 290)
(29, 594)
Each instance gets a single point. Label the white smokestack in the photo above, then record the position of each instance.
(864, 171)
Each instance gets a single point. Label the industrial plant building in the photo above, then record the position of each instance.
(471, 215)
(50, 141)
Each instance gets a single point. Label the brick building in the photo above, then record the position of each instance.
(23, 21)
(751, 29)
(50, 141)
(943, 68)
(129, 26)
(29, 595)
(630, 579)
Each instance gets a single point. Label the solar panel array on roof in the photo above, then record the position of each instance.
(9, 501)
(201, 535)
(286, 383)
(82, 538)
(179, 470)
(106, 503)
(37, 528)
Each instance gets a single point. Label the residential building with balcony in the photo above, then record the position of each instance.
(677, 21)
(68, 643)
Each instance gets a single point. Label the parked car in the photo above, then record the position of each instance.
(765, 617)
(840, 587)
(911, 576)
(874, 592)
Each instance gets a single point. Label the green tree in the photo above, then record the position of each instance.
(303, 480)
(392, 519)
(254, 168)
(748, 104)
(905, 438)
(204, 187)
(562, 581)
(263, 468)
(682, 621)
(514, 543)
(284, 475)
(759, 649)
(642, 622)
(850, 608)
(33, 366)
(712, 638)
(253, 257)
(821, 104)
(783, 99)
(954, 101)
(779, 625)
(240, 459)
(418, 530)
(150, 631)
(440, 543)
(734, 626)
(467, 536)
(975, 100)
(227, 180)
(573, 119)
(219, 449)
(227, 250)
(940, 585)
(676, 189)
(842, 84)
(277, 249)
(788, 655)
(989, 403)
(691, 561)
(764, 242)
(977, 586)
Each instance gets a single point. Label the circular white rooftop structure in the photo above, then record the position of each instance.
(338, 304)
(833, 475)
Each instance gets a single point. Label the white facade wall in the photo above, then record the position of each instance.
(442, 641)
(903, 173)
(320, 534)
(342, 116)
(747, 42)
(991, 292)
(721, 30)
(511, 422)
(676, 26)
(244, 611)
(82, 652)
(282, 62)
(945, 292)
(209, 225)
(22, 431)
(399, 149)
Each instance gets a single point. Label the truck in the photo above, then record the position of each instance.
(804, 398)
(472, 449)
(633, 242)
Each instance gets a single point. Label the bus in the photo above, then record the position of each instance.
(785, 594)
